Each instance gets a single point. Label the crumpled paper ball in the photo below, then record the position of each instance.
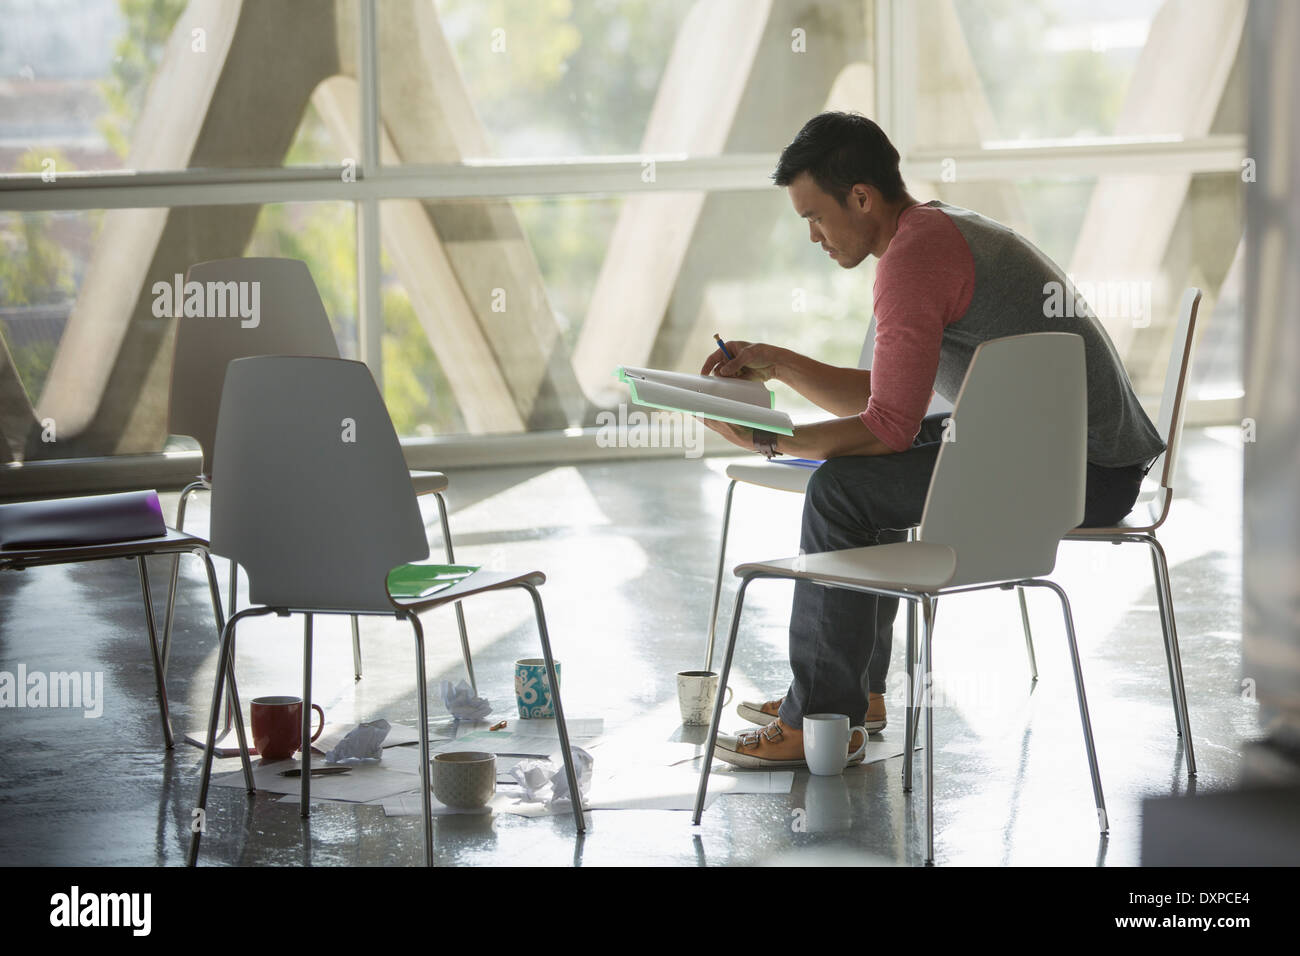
(544, 781)
(461, 702)
(363, 742)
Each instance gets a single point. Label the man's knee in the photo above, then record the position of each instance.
(839, 495)
(826, 485)
(869, 493)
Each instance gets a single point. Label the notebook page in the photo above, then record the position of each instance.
(736, 389)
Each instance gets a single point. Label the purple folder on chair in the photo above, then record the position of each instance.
(73, 522)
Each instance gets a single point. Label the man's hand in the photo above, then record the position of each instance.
(754, 361)
(736, 434)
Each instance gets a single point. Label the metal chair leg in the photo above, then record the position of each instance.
(717, 581)
(231, 685)
(356, 647)
(570, 772)
(305, 803)
(915, 700)
(421, 687)
(1102, 821)
(1164, 637)
(159, 682)
(232, 606)
(460, 612)
(209, 750)
(1174, 660)
(1029, 635)
(927, 688)
(718, 704)
(909, 723)
(188, 490)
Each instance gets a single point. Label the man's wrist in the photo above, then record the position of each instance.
(765, 443)
(780, 364)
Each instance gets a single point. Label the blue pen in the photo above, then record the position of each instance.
(718, 339)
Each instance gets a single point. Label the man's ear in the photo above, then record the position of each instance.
(862, 196)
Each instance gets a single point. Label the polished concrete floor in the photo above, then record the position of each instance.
(629, 549)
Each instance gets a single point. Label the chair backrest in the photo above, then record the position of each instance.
(1174, 400)
(310, 492)
(290, 320)
(1009, 479)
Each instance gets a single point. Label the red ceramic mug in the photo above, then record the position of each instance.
(277, 726)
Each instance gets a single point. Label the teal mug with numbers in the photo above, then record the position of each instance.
(532, 689)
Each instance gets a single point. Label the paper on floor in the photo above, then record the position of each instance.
(361, 784)
(499, 742)
(363, 742)
(398, 734)
(533, 727)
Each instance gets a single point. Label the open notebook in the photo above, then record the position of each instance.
(739, 401)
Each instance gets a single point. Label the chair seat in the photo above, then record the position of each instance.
(476, 583)
(918, 566)
(173, 542)
(429, 482)
(1131, 524)
(1145, 516)
(769, 475)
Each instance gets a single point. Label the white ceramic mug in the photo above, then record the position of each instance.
(826, 743)
(696, 692)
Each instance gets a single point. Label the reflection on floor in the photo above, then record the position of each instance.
(629, 550)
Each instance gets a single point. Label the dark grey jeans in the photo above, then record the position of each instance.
(840, 640)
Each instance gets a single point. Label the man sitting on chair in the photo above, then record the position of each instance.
(947, 279)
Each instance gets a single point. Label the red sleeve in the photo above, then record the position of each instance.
(924, 283)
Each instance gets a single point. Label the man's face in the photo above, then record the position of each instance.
(845, 232)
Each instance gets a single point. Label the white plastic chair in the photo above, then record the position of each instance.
(777, 476)
(1002, 495)
(326, 546)
(1138, 530)
(292, 321)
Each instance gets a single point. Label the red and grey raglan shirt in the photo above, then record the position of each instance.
(952, 279)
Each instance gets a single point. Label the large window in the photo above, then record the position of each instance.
(501, 200)
(1111, 133)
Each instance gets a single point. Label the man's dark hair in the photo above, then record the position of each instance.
(841, 150)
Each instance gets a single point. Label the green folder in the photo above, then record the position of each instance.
(411, 581)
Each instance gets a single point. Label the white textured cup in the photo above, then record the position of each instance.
(464, 780)
(826, 743)
(696, 692)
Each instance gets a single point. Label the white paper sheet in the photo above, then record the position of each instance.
(499, 742)
(579, 727)
(361, 784)
(402, 759)
(885, 748)
(547, 727)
